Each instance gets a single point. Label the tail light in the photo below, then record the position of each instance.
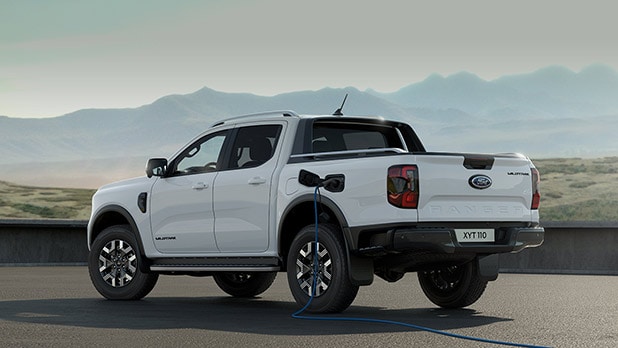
(536, 193)
(402, 186)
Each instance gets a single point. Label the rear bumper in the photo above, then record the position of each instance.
(444, 240)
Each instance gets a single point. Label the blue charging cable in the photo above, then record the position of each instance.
(297, 314)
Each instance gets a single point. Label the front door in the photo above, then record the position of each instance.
(181, 203)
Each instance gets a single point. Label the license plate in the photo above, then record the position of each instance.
(465, 235)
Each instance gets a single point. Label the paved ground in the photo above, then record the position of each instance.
(57, 306)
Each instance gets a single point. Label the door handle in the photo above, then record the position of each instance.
(199, 186)
(257, 180)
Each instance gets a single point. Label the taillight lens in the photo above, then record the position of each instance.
(402, 186)
(536, 193)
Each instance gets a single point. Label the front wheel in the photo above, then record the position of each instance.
(244, 284)
(330, 290)
(114, 265)
(453, 287)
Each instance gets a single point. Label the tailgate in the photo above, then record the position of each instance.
(461, 187)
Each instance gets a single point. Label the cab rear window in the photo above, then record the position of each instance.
(332, 136)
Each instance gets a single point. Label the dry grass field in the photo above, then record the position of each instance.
(29, 202)
(575, 189)
(572, 189)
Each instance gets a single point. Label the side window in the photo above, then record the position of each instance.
(254, 146)
(203, 156)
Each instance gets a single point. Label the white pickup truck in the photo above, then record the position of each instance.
(237, 203)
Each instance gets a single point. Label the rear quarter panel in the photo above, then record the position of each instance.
(363, 201)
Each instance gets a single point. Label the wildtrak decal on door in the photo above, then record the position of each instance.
(166, 238)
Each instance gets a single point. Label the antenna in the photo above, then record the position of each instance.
(339, 112)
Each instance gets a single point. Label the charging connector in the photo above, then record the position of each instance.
(331, 183)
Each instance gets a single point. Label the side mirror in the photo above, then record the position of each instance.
(156, 167)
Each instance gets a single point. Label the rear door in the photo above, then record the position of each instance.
(243, 191)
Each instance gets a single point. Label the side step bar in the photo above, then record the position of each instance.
(216, 264)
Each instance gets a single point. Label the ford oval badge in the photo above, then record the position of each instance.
(480, 182)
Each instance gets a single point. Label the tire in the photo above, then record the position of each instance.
(114, 265)
(334, 291)
(244, 284)
(453, 287)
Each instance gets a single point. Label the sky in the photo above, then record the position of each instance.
(61, 56)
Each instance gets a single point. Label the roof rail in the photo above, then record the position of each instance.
(284, 113)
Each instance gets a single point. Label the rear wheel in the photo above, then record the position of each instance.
(334, 292)
(244, 284)
(114, 265)
(453, 287)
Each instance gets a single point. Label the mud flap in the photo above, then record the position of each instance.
(488, 266)
(360, 270)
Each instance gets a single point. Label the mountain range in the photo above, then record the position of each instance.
(552, 112)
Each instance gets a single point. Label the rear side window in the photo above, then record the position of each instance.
(254, 146)
(331, 136)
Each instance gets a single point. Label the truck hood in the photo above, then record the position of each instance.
(125, 184)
